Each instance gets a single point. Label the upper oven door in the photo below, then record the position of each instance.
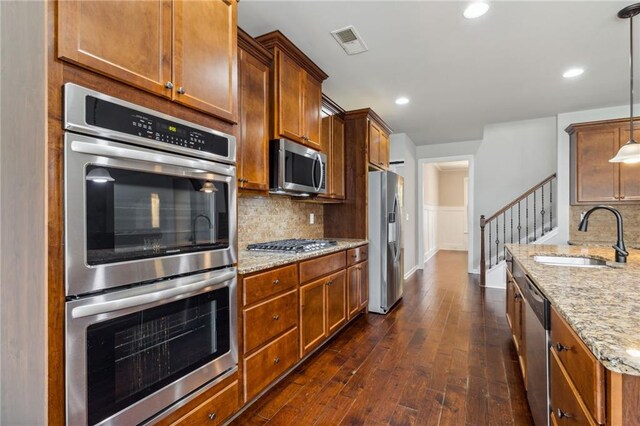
(134, 214)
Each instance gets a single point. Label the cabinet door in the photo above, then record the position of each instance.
(337, 159)
(384, 150)
(336, 301)
(363, 281)
(326, 136)
(510, 304)
(353, 291)
(597, 180)
(127, 40)
(312, 315)
(374, 144)
(205, 50)
(290, 79)
(519, 319)
(311, 107)
(254, 123)
(629, 173)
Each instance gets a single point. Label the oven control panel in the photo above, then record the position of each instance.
(112, 116)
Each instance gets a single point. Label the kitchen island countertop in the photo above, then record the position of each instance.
(602, 305)
(255, 261)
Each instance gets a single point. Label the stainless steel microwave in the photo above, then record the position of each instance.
(295, 169)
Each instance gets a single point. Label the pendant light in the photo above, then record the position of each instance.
(208, 187)
(629, 152)
(99, 175)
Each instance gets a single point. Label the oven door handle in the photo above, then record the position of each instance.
(317, 160)
(153, 296)
(106, 149)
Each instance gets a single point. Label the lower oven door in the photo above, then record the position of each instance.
(133, 214)
(133, 353)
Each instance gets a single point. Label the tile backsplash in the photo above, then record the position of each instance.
(602, 225)
(271, 218)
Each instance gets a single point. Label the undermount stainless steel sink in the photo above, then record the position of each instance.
(579, 262)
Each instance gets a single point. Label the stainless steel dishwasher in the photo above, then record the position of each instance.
(536, 336)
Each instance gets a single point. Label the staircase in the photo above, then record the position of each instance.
(529, 219)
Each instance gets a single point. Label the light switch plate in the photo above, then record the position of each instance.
(312, 218)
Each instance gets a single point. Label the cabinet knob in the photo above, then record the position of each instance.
(621, 197)
(560, 347)
(168, 85)
(276, 360)
(276, 317)
(276, 281)
(182, 90)
(330, 283)
(212, 416)
(562, 414)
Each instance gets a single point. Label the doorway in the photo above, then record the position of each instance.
(446, 206)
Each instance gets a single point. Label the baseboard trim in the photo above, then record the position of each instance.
(411, 272)
(429, 255)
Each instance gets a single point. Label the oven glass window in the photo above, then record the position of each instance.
(131, 357)
(136, 215)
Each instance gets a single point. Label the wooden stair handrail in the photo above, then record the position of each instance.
(520, 198)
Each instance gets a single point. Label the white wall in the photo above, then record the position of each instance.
(431, 194)
(402, 148)
(23, 218)
(564, 164)
(513, 157)
(452, 149)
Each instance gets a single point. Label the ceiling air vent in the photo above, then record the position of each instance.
(350, 40)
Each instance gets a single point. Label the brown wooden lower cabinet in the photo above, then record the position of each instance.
(269, 362)
(357, 288)
(566, 405)
(289, 311)
(213, 407)
(313, 308)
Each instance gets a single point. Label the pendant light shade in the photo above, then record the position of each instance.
(208, 187)
(99, 175)
(629, 152)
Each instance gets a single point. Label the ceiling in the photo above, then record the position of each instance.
(459, 74)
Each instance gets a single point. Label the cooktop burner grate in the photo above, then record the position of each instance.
(292, 246)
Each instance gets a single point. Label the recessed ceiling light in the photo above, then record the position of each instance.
(573, 72)
(402, 100)
(476, 10)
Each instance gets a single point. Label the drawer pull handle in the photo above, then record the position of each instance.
(212, 416)
(276, 281)
(276, 360)
(276, 317)
(560, 347)
(562, 415)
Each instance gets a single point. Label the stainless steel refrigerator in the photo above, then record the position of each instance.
(386, 264)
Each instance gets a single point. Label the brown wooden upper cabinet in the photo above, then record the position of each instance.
(375, 132)
(253, 145)
(593, 178)
(297, 92)
(182, 50)
(332, 144)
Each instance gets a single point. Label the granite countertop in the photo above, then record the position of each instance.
(628, 245)
(254, 261)
(602, 305)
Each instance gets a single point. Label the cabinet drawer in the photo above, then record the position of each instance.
(266, 365)
(586, 373)
(261, 286)
(315, 268)
(266, 320)
(214, 410)
(566, 405)
(357, 255)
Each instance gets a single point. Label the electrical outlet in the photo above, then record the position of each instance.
(312, 218)
(407, 217)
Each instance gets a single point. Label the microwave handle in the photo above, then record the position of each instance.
(318, 160)
(153, 296)
(106, 150)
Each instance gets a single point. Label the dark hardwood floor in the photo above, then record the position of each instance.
(443, 356)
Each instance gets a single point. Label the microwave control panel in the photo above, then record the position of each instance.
(108, 115)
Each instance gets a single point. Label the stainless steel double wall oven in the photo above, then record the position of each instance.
(150, 244)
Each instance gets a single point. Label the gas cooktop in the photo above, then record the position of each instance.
(292, 246)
